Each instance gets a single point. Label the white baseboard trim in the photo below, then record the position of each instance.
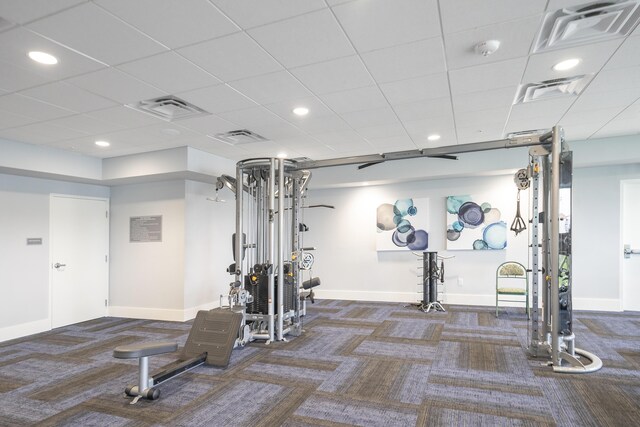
(23, 329)
(597, 304)
(170, 314)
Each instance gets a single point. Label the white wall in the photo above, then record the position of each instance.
(24, 270)
(147, 278)
(172, 279)
(350, 267)
(208, 229)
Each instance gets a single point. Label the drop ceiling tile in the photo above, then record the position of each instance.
(364, 98)
(447, 137)
(544, 122)
(285, 109)
(392, 143)
(587, 122)
(383, 131)
(10, 120)
(282, 130)
(626, 55)
(619, 127)
(343, 141)
(406, 61)
(334, 76)
(366, 118)
(207, 125)
(417, 89)
(85, 124)
(184, 22)
(299, 143)
(249, 13)
(21, 11)
(231, 57)
(515, 36)
(323, 123)
(429, 126)
(68, 96)
(217, 99)
(631, 112)
(478, 101)
(116, 85)
(306, 39)
(94, 32)
(170, 72)
(593, 100)
(437, 107)
(271, 88)
(593, 57)
(376, 24)
(13, 78)
(479, 118)
(16, 43)
(473, 134)
(124, 117)
(617, 79)
(248, 117)
(480, 78)
(553, 108)
(39, 133)
(466, 14)
(30, 107)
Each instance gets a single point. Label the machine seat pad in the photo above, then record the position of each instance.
(133, 351)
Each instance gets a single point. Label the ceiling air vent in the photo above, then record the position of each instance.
(239, 137)
(531, 132)
(549, 89)
(587, 23)
(169, 108)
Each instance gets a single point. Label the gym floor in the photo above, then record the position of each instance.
(358, 363)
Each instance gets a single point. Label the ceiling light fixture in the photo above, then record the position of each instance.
(43, 57)
(433, 137)
(567, 64)
(282, 155)
(300, 111)
(102, 143)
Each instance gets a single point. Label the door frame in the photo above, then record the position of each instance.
(623, 183)
(107, 231)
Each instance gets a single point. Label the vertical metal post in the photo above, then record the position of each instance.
(143, 375)
(281, 197)
(554, 245)
(546, 301)
(239, 225)
(426, 274)
(271, 243)
(296, 198)
(535, 262)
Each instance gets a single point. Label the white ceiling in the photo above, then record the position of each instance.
(376, 75)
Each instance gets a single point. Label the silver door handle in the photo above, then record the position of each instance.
(58, 265)
(628, 251)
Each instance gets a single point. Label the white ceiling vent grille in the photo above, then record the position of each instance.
(549, 89)
(587, 23)
(239, 137)
(169, 108)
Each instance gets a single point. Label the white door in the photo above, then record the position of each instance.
(631, 237)
(79, 264)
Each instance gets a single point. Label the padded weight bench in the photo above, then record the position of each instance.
(145, 387)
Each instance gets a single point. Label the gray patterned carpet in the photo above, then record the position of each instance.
(359, 363)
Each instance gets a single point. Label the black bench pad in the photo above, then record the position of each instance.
(133, 351)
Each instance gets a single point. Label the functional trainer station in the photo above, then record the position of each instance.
(267, 299)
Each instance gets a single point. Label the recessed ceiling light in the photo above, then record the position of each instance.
(43, 57)
(102, 143)
(282, 155)
(300, 111)
(433, 137)
(567, 64)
